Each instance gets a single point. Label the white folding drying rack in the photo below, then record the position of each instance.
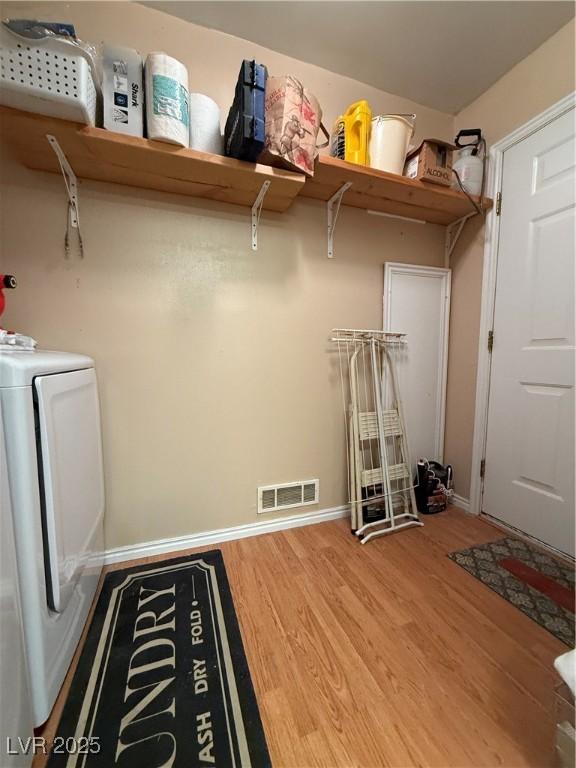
(379, 466)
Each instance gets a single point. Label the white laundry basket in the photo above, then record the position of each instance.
(49, 76)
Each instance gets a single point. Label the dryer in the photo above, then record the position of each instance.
(54, 458)
(15, 701)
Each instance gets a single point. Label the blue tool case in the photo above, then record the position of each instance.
(244, 134)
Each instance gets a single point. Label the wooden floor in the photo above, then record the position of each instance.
(388, 654)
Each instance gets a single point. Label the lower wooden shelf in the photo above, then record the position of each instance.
(95, 153)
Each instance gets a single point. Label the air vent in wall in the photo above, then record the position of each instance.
(286, 495)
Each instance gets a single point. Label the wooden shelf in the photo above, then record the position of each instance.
(387, 192)
(95, 153)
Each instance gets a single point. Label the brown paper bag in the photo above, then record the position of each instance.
(293, 119)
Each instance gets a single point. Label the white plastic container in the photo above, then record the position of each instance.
(49, 76)
(389, 142)
(469, 168)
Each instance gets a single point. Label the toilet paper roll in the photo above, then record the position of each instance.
(167, 105)
(205, 134)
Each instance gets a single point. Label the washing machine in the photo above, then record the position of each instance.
(54, 458)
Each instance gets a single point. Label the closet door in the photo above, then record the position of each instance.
(417, 302)
(70, 457)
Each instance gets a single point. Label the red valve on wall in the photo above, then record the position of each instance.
(6, 281)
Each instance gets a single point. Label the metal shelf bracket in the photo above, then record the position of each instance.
(453, 232)
(256, 213)
(71, 184)
(333, 209)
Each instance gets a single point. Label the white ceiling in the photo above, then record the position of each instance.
(439, 54)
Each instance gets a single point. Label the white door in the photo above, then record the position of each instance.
(417, 303)
(529, 473)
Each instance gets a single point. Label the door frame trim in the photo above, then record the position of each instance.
(494, 185)
(445, 275)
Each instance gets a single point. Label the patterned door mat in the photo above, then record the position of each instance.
(536, 583)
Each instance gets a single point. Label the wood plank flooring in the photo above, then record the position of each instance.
(387, 654)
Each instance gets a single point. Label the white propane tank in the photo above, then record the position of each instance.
(469, 168)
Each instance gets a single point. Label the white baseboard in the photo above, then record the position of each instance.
(163, 546)
(461, 502)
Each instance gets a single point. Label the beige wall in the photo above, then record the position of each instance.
(214, 365)
(533, 85)
(538, 81)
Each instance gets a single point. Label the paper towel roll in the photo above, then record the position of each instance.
(167, 110)
(205, 134)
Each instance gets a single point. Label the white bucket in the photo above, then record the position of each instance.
(389, 142)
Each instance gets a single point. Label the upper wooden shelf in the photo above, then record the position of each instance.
(387, 192)
(95, 153)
